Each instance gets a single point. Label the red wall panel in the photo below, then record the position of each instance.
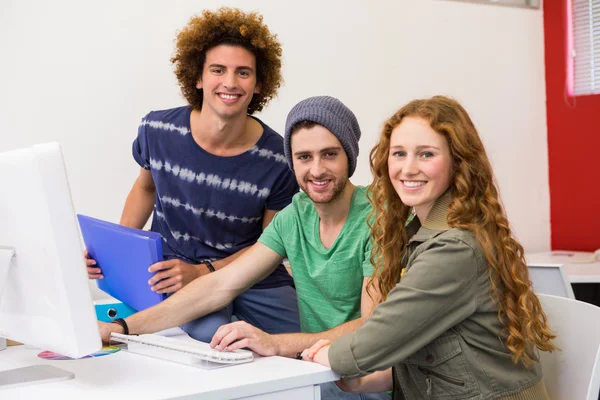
(573, 145)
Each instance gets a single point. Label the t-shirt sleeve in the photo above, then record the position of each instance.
(273, 235)
(367, 266)
(140, 150)
(284, 189)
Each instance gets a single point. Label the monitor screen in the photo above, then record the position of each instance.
(45, 299)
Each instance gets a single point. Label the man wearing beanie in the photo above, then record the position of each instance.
(323, 233)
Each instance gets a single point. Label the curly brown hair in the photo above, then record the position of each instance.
(232, 27)
(476, 207)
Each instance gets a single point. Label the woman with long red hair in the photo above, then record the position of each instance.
(457, 318)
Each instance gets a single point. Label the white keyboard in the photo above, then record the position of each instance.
(182, 351)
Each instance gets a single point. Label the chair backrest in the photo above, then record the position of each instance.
(573, 372)
(550, 279)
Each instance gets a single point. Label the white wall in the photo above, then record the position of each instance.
(84, 73)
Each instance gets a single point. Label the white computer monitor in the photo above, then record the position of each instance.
(550, 279)
(45, 299)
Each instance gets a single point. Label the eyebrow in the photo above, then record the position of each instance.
(325, 150)
(332, 148)
(243, 67)
(418, 147)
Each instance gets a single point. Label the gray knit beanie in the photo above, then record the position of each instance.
(333, 115)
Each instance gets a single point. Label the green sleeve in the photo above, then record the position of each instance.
(367, 266)
(273, 235)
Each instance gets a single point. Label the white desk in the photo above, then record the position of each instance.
(577, 272)
(130, 376)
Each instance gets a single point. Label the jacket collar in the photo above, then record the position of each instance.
(435, 223)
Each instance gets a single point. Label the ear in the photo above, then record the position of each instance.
(257, 88)
(199, 83)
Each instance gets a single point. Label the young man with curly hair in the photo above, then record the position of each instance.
(212, 175)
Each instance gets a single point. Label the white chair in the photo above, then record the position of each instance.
(550, 279)
(573, 372)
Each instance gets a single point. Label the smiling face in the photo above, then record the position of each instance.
(419, 164)
(320, 163)
(228, 81)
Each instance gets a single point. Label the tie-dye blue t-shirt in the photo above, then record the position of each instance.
(208, 207)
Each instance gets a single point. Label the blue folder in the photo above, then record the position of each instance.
(124, 255)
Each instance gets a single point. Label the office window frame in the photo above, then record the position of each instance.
(509, 3)
(583, 54)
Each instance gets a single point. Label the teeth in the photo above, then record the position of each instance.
(319, 183)
(228, 96)
(414, 183)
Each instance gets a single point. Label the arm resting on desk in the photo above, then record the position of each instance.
(204, 295)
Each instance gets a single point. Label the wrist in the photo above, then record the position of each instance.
(209, 266)
(201, 270)
(122, 324)
(277, 345)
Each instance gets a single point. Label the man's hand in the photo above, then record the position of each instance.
(174, 274)
(240, 334)
(93, 272)
(107, 328)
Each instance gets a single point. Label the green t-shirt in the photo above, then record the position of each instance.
(328, 281)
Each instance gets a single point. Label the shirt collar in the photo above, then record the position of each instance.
(435, 223)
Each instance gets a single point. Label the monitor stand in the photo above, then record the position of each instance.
(32, 374)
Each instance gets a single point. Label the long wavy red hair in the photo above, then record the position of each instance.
(475, 207)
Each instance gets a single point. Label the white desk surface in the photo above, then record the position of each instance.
(125, 375)
(577, 272)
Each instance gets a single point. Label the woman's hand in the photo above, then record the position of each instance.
(379, 381)
(318, 352)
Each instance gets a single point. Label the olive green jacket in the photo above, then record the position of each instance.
(439, 327)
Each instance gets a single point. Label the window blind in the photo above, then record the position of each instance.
(586, 46)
